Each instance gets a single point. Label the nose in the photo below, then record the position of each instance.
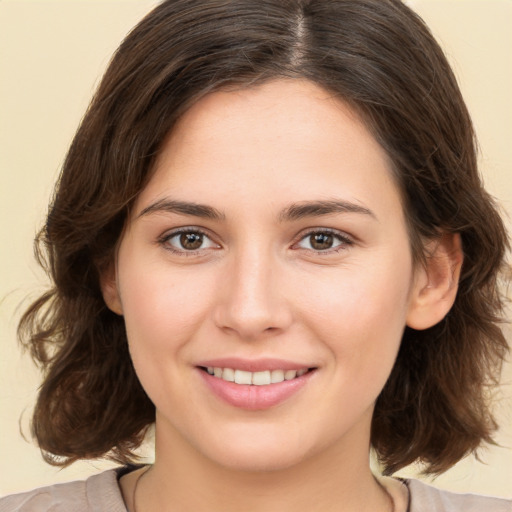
(252, 299)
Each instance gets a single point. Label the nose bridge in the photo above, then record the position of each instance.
(253, 302)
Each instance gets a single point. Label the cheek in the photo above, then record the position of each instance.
(162, 309)
(360, 294)
(360, 315)
(163, 312)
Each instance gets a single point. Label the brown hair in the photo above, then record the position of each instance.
(379, 57)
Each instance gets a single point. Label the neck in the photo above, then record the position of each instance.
(184, 480)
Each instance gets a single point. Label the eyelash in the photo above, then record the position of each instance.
(164, 241)
(343, 238)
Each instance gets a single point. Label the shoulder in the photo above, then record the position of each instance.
(98, 493)
(425, 498)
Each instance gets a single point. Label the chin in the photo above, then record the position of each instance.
(257, 451)
(250, 461)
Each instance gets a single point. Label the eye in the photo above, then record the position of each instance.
(189, 240)
(324, 241)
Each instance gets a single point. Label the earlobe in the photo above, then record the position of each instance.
(109, 289)
(436, 283)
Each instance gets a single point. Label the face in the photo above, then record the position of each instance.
(269, 244)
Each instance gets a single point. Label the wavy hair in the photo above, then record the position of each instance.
(378, 56)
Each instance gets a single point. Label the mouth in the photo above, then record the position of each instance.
(259, 378)
(255, 385)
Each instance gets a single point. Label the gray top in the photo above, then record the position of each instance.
(101, 493)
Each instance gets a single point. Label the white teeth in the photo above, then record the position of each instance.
(243, 377)
(261, 378)
(290, 374)
(277, 376)
(228, 374)
(255, 378)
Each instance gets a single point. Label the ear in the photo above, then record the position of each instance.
(436, 282)
(110, 291)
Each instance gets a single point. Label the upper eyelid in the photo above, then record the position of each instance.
(346, 241)
(185, 229)
(309, 231)
(171, 233)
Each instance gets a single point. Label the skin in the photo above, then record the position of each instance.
(256, 287)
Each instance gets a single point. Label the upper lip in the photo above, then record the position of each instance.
(254, 365)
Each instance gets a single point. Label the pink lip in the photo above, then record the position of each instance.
(253, 365)
(252, 397)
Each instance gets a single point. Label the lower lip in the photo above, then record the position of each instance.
(253, 397)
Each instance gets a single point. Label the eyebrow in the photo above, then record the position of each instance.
(293, 212)
(304, 209)
(183, 208)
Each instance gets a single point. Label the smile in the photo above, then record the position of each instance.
(261, 378)
(255, 384)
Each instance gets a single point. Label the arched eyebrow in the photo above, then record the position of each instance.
(293, 212)
(304, 209)
(183, 208)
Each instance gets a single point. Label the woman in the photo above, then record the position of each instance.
(270, 240)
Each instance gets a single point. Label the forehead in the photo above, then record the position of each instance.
(286, 140)
(281, 112)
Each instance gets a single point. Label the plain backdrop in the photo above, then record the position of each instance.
(52, 54)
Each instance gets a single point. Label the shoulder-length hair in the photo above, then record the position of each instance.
(378, 56)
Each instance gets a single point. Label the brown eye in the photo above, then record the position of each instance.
(188, 241)
(191, 241)
(321, 241)
(324, 241)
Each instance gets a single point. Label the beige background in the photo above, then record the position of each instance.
(52, 54)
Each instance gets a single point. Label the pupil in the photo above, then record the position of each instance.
(321, 241)
(191, 241)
